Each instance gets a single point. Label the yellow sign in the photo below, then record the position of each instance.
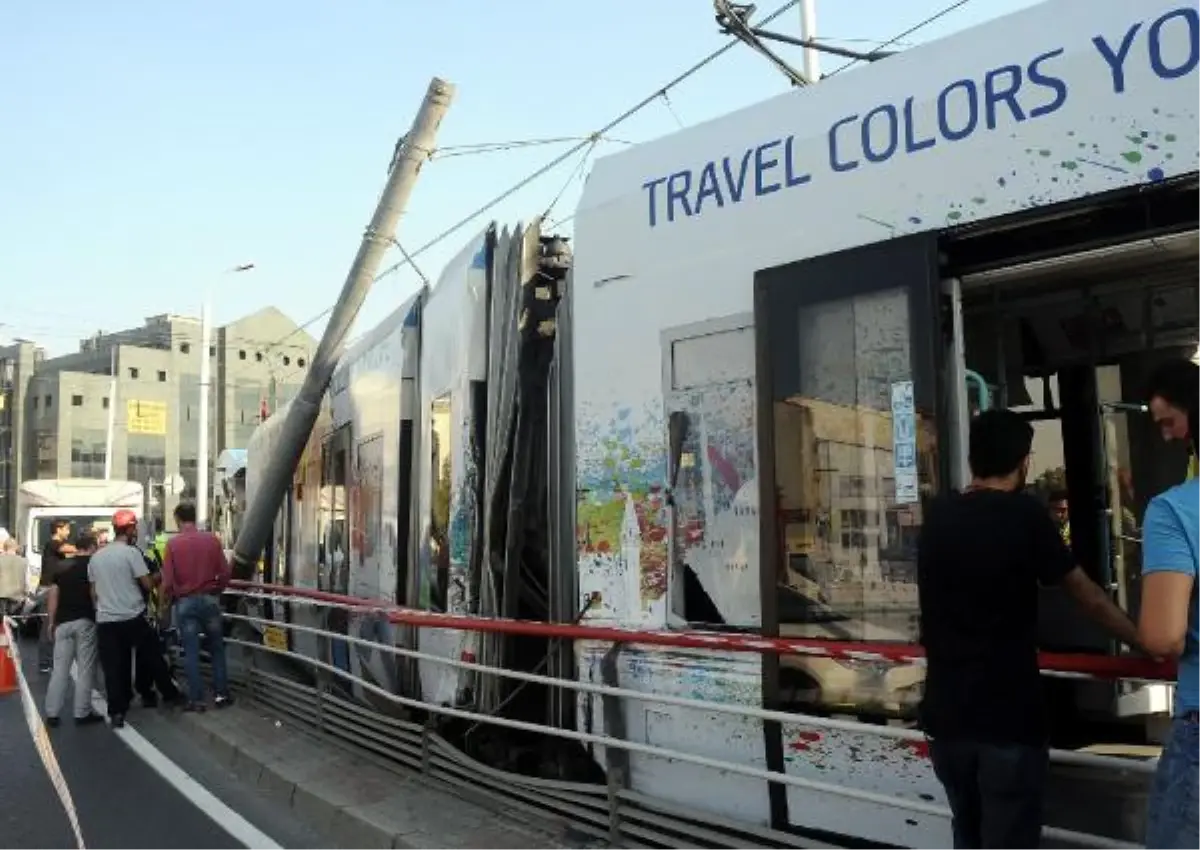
(275, 638)
(146, 417)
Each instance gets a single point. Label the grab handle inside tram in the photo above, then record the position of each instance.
(983, 392)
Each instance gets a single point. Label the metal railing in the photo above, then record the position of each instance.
(613, 811)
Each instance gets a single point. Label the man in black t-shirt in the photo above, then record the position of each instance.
(54, 555)
(72, 622)
(981, 556)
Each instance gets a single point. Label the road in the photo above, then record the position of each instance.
(121, 799)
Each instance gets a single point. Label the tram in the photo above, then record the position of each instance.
(762, 365)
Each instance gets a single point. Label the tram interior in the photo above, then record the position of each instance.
(1070, 343)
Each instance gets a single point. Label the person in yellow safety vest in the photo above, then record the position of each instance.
(1173, 392)
(1060, 513)
(154, 556)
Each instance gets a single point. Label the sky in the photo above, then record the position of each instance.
(149, 146)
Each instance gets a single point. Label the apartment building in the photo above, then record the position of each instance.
(58, 408)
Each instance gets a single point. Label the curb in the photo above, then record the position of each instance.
(354, 799)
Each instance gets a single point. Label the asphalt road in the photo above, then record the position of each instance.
(120, 799)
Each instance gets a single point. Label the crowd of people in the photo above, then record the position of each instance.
(982, 555)
(108, 606)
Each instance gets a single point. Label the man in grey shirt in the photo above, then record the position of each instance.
(118, 575)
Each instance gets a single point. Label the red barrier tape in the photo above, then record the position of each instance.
(1098, 666)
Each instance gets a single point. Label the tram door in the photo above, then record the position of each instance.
(851, 413)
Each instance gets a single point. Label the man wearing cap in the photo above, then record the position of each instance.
(118, 575)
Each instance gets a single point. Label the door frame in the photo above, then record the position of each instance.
(778, 297)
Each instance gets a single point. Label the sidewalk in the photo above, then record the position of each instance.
(349, 798)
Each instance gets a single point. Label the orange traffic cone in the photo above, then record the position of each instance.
(8, 670)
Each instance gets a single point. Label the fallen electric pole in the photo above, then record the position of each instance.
(410, 155)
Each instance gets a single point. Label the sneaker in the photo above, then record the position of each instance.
(223, 701)
(52, 722)
(89, 719)
(46, 669)
(117, 721)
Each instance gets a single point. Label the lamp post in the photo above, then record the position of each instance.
(202, 495)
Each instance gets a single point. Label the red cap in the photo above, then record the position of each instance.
(124, 518)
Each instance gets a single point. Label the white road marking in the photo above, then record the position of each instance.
(237, 826)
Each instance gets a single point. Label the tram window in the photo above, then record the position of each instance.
(854, 458)
(435, 563)
(838, 469)
(334, 574)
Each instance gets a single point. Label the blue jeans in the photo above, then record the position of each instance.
(1171, 820)
(194, 614)
(994, 791)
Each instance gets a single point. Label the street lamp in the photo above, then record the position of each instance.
(202, 495)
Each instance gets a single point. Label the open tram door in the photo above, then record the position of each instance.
(852, 415)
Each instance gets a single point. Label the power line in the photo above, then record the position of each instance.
(590, 139)
(583, 142)
(898, 38)
(518, 144)
(578, 170)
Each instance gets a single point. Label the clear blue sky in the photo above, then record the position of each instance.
(148, 145)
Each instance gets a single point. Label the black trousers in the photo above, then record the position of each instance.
(119, 642)
(995, 791)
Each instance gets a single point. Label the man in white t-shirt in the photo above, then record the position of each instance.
(119, 579)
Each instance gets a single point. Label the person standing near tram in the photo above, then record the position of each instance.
(980, 557)
(1167, 622)
(1174, 388)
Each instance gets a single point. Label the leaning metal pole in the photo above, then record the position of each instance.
(410, 155)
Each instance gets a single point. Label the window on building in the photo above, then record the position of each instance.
(87, 454)
(76, 401)
(300, 362)
(133, 372)
(185, 348)
(35, 402)
(147, 458)
(187, 470)
(258, 356)
(104, 403)
(162, 376)
(242, 354)
(47, 454)
(49, 402)
(287, 361)
(212, 351)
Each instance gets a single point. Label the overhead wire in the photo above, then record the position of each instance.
(518, 144)
(584, 142)
(953, 7)
(575, 173)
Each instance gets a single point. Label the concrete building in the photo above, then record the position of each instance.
(18, 362)
(60, 406)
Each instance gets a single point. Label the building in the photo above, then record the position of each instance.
(18, 363)
(60, 407)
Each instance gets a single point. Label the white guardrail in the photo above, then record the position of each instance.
(1064, 757)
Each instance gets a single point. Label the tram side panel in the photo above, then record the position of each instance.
(670, 236)
(372, 398)
(453, 364)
